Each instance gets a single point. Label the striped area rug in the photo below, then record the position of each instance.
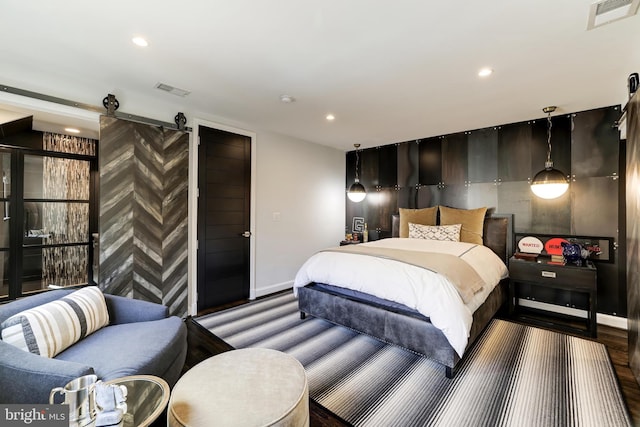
(516, 375)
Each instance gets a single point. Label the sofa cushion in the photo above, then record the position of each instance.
(149, 348)
(50, 328)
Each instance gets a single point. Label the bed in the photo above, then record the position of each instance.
(398, 324)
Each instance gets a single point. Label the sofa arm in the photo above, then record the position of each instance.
(29, 378)
(128, 310)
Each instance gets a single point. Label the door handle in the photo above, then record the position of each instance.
(246, 234)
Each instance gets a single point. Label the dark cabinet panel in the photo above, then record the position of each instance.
(407, 163)
(430, 169)
(514, 152)
(388, 166)
(454, 159)
(596, 142)
(482, 155)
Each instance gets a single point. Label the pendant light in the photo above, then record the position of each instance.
(356, 192)
(549, 183)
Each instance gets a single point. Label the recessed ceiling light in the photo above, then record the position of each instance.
(139, 41)
(72, 130)
(287, 99)
(484, 72)
(330, 117)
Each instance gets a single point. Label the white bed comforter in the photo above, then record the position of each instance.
(428, 292)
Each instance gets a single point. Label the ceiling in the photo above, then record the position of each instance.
(389, 70)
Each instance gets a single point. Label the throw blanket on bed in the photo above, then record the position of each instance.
(465, 279)
(430, 293)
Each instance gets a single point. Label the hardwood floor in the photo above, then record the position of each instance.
(202, 344)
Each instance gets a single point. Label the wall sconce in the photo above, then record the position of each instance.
(549, 183)
(356, 192)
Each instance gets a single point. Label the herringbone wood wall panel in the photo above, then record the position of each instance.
(143, 212)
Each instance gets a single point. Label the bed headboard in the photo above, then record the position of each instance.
(497, 234)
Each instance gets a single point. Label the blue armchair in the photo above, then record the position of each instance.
(140, 339)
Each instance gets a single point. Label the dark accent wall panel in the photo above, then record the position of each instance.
(514, 152)
(143, 212)
(493, 167)
(407, 165)
(597, 142)
(550, 216)
(454, 159)
(454, 195)
(388, 166)
(430, 163)
(369, 171)
(515, 198)
(482, 155)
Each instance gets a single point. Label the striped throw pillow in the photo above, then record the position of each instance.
(50, 328)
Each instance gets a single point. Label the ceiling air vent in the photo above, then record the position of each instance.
(173, 90)
(607, 11)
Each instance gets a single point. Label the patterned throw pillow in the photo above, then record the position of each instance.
(52, 327)
(435, 232)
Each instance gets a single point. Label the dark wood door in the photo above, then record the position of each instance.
(224, 203)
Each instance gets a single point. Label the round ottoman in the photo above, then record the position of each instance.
(247, 387)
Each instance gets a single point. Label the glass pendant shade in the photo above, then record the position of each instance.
(549, 183)
(356, 192)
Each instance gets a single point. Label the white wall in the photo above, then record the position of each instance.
(300, 204)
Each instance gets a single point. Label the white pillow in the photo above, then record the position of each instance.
(435, 232)
(52, 327)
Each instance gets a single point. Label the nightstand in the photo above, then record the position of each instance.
(349, 242)
(579, 282)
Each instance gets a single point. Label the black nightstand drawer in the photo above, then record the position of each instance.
(558, 275)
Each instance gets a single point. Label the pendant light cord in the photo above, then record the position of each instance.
(357, 146)
(549, 137)
(549, 110)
